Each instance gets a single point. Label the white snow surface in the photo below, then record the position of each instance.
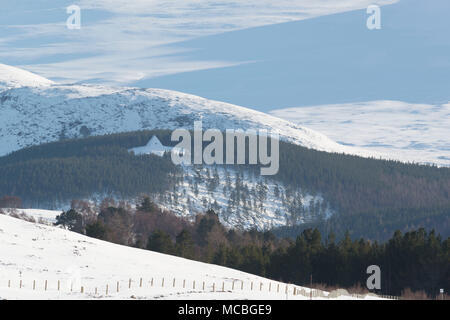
(12, 77)
(37, 215)
(405, 131)
(35, 115)
(35, 253)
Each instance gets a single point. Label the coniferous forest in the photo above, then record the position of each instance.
(373, 197)
(370, 198)
(55, 173)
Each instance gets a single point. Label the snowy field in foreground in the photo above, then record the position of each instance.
(33, 252)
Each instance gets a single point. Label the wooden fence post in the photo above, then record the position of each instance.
(20, 284)
(9, 283)
(107, 287)
(34, 284)
(184, 283)
(96, 291)
(82, 289)
(223, 286)
(193, 285)
(173, 282)
(232, 287)
(59, 285)
(251, 288)
(162, 282)
(214, 287)
(203, 288)
(45, 285)
(278, 288)
(260, 286)
(270, 286)
(242, 284)
(152, 282)
(129, 283)
(117, 287)
(140, 283)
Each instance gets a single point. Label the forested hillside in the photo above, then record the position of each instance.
(373, 197)
(333, 192)
(55, 173)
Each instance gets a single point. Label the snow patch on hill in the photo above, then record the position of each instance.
(154, 146)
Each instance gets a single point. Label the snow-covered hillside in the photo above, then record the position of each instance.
(243, 199)
(33, 114)
(11, 77)
(411, 132)
(35, 257)
(40, 216)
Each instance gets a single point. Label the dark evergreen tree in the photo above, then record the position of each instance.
(147, 205)
(185, 244)
(96, 230)
(160, 241)
(71, 220)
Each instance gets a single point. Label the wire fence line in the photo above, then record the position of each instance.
(112, 288)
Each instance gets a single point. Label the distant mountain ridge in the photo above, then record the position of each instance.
(34, 110)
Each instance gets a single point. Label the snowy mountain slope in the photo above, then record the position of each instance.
(11, 77)
(243, 200)
(33, 252)
(38, 114)
(414, 132)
